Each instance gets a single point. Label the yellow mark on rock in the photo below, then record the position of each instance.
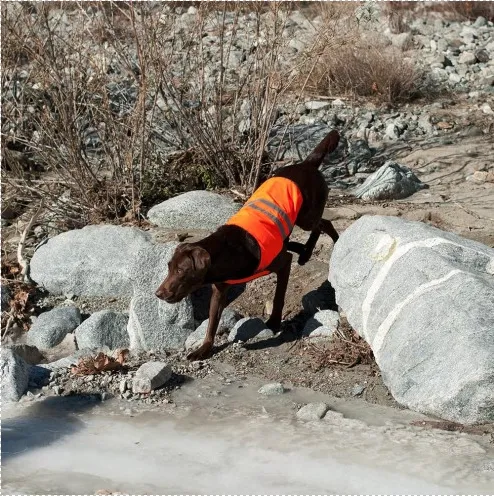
(385, 248)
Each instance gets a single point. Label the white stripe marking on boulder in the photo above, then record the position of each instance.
(381, 276)
(389, 320)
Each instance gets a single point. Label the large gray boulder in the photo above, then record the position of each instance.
(423, 299)
(103, 329)
(392, 181)
(93, 261)
(153, 323)
(50, 328)
(193, 210)
(14, 375)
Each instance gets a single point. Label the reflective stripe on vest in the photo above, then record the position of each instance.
(285, 228)
(269, 216)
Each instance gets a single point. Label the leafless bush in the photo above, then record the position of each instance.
(96, 96)
(63, 140)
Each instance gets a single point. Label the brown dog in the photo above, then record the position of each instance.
(231, 254)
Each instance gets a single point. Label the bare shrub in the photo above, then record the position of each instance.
(96, 96)
(78, 151)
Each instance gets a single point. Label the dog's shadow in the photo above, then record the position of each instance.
(322, 298)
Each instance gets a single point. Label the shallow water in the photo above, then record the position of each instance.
(226, 438)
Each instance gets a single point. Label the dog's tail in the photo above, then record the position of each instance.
(327, 145)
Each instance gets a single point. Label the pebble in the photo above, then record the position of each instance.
(312, 411)
(358, 389)
(486, 109)
(151, 375)
(123, 386)
(316, 105)
(272, 389)
(467, 58)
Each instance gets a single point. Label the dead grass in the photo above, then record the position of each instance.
(353, 59)
(368, 69)
(346, 349)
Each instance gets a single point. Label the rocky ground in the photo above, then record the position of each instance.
(446, 143)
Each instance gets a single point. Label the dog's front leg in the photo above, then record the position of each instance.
(216, 306)
(281, 267)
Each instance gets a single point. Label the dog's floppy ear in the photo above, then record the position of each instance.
(200, 258)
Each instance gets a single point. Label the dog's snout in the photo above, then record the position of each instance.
(162, 293)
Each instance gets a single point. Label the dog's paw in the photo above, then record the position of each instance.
(303, 259)
(273, 324)
(203, 352)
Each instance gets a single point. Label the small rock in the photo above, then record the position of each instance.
(249, 328)
(480, 21)
(316, 105)
(272, 389)
(30, 354)
(338, 103)
(486, 109)
(14, 375)
(425, 124)
(151, 375)
(123, 386)
(312, 411)
(57, 390)
(482, 177)
(104, 328)
(455, 78)
(323, 324)
(227, 321)
(482, 56)
(93, 261)
(444, 125)
(392, 131)
(6, 297)
(358, 389)
(467, 58)
(51, 327)
(297, 45)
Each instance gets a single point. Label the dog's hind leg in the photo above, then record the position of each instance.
(305, 251)
(295, 247)
(309, 246)
(281, 267)
(327, 227)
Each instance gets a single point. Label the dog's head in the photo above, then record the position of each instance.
(186, 272)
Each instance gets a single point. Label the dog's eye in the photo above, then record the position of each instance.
(179, 270)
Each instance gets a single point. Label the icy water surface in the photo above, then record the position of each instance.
(226, 438)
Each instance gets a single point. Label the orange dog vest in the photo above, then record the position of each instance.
(269, 216)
